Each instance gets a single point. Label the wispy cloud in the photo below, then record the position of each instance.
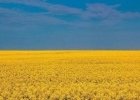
(103, 11)
(104, 14)
(100, 11)
(13, 21)
(14, 16)
(55, 8)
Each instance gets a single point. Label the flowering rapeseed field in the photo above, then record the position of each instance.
(69, 75)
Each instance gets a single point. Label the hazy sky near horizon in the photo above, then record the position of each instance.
(69, 24)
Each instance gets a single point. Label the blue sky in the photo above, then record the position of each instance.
(69, 24)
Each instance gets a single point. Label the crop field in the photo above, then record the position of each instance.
(70, 75)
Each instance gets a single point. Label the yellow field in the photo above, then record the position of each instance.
(69, 75)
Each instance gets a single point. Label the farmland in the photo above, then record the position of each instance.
(70, 75)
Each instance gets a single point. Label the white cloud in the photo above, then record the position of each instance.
(104, 14)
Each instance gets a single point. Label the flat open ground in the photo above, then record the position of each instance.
(70, 75)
